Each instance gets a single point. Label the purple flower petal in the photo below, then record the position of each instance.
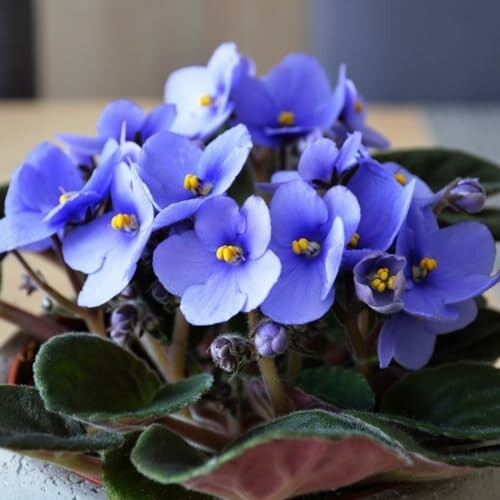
(219, 223)
(166, 160)
(317, 162)
(298, 202)
(256, 278)
(342, 203)
(159, 119)
(215, 301)
(224, 157)
(297, 296)
(115, 114)
(257, 233)
(181, 261)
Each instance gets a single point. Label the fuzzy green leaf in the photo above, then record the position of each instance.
(438, 166)
(25, 424)
(123, 482)
(459, 400)
(339, 386)
(93, 379)
(479, 341)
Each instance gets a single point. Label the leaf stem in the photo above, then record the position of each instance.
(269, 374)
(158, 354)
(178, 347)
(75, 462)
(207, 439)
(92, 317)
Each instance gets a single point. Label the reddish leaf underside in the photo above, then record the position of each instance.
(281, 468)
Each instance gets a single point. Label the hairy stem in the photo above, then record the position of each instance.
(178, 347)
(75, 462)
(158, 354)
(92, 317)
(73, 276)
(269, 374)
(38, 326)
(294, 365)
(205, 438)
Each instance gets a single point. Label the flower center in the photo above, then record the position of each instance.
(286, 118)
(65, 197)
(382, 280)
(358, 106)
(205, 100)
(124, 222)
(354, 241)
(425, 266)
(401, 178)
(231, 254)
(303, 246)
(194, 184)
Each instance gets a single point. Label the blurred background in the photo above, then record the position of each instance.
(398, 50)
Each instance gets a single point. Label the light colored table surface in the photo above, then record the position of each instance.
(23, 124)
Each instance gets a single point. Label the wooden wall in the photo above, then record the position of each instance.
(94, 48)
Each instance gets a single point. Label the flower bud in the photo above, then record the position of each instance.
(124, 319)
(159, 293)
(229, 350)
(467, 195)
(271, 339)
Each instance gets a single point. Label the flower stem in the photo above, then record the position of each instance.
(178, 347)
(92, 317)
(294, 365)
(73, 276)
(269, 374)
(38, 326)
(158, 354)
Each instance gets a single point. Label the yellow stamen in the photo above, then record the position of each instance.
(382, 279)
(205, 100)
(353, 242)
(191, 182)
(428, 263)
(286, 118)
(383, 273)
(196, 186)
(401, 178)
(126, 222)
(231, 254)
(358, 106)
(391, 282)
(303, 246)
(64, 197)
(425, 266)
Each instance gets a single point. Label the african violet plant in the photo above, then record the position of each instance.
(257, 294)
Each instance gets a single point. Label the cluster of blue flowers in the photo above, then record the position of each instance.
(335, 213)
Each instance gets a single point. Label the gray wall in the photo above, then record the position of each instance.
(413, 49)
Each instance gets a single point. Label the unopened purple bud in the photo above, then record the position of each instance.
(467, 195)
(124, 318)
(159, 293)
(271, 339)
(229, 350)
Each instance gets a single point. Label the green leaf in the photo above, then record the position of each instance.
(479, 341)
(459, 400)
(488, 216)
(93, 379)
(339, 386)
(25, 424)
(275, 460)
(123, 482)
(438, 166)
